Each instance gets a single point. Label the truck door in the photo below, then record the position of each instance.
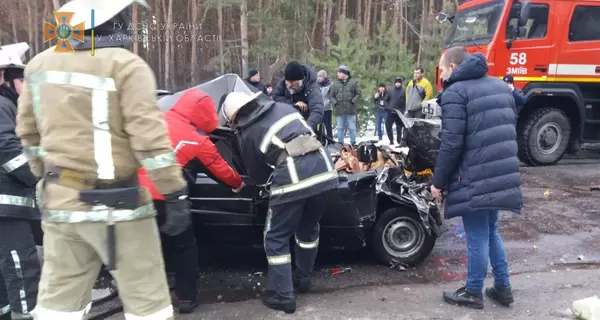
(528, 58)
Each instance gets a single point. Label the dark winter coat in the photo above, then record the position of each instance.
(17, 183)
(309, 93)
(344, 96)
(477, 162)
(519, 97)
(325, 87)
(383, 96)
(270, 121)
(397, 99)
(258, 85)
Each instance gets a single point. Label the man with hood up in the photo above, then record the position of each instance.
(396, 104)
(299, 88)
(478, 165)
(193, 111)
(19, 262)
(87, 123)
(278, 146)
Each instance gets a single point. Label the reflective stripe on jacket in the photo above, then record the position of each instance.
(294, 178)
(16, 180)
(97, 116)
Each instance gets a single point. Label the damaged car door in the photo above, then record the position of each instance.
(221, 215)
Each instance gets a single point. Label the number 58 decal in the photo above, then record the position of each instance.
(518, 58)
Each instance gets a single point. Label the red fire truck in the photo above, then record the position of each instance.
(552, 49)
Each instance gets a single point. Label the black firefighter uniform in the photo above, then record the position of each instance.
(275, 139)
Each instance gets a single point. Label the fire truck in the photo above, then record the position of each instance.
(552, 49)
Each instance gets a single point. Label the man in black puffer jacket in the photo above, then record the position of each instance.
(478, 166)
(19, 262)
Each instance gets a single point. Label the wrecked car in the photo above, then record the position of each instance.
(386, 209)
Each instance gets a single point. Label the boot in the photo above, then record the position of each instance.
(302, 284)
(502, 295)
(187, 306)
(20, 316)
(271, 300)
(465, 298)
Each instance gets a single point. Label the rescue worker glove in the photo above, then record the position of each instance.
(177, 212)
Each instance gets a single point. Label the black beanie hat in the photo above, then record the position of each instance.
(252, 72)
(398, 79)
(293, 71)
(11, 74)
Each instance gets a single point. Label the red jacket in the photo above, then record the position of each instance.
(195, 110)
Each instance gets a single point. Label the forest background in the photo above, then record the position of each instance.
(186, 41)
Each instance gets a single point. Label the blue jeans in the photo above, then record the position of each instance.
(380, 116)
(484, 245)
(343, 121)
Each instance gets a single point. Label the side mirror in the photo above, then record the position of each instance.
(441, 17)
(524, 14)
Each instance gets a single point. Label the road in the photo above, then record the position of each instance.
(554, 240)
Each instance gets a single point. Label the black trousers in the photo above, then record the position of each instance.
(20, 267)
(390, 120)
(299, 219)
(181, 252)
(327, 116)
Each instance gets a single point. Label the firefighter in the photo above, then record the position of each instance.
(19, 262)
(87, 123)
(193, 111)
(279, 146)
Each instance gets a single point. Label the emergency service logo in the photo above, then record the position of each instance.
(63, 32)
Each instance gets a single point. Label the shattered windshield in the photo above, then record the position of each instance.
(476, 25)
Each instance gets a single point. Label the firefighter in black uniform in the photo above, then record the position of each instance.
(19, 263)
(277, 145)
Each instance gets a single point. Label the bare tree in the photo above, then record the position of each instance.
(194, 55)
(134, 20)
(244, 34)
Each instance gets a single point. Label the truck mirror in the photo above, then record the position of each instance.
(441, 17)
(524, 14)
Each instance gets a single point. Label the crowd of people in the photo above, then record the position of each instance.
(342, 96)
(84, 147)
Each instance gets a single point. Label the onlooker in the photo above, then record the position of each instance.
(325, 86)
(382, 99)
(269, 90)
(396, 104)
(299, 88)
(478, 165)
(344, 95)
(517, 93)
(254, 80)
(417, 90)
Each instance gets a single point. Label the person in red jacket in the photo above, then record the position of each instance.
(191, 116)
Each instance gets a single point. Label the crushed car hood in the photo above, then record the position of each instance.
(409, 190)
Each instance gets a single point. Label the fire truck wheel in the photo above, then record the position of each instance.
(544, 137)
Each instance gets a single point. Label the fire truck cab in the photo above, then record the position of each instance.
(552, 49)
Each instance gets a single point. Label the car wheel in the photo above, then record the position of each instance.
(544, 137)
(399, 237)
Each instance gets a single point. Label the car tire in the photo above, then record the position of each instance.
(401, 222)
(550, 125)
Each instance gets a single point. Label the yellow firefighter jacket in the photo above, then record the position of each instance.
(95, 115)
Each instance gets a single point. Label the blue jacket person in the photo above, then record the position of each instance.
(277, 144)
(477, 164)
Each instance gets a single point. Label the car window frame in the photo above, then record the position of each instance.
(583, 8)
(530, 22)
